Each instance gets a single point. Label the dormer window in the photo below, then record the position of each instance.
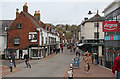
(19, 25)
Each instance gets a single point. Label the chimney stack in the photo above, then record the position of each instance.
(37, 15)
(25, 8)
(85, 19)
(17, 12)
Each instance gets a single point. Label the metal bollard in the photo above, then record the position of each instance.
(11, 66)
(71, 67)
(70, 74)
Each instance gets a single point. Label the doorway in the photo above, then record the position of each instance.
(20, 54)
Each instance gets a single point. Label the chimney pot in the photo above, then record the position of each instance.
(17, 12)
(39, 11)
(37, 15)
(25, 8)
(35, 12)
(86, 19)
(25, 4)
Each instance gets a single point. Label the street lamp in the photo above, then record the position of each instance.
(97, 33)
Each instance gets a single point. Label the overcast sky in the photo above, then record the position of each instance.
(54, 11)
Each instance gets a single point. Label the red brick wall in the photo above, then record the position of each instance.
(27, 26)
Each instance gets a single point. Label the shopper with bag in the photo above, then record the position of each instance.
(27, 62)
(87, 60)
(116, 66)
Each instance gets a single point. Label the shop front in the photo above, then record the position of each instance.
(36, 52)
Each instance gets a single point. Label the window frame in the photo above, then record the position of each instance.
(15, 40)
(95, 24)
(19, 26)
(96, 35)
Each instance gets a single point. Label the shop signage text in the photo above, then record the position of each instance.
(110, 26)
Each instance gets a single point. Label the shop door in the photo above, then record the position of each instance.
(20, 54)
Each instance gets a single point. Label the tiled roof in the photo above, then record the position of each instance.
(95, 18)
(33, 20)
(3, 24)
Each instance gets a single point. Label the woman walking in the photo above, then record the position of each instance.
(87, 60)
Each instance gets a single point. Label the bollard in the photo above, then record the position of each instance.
(72, 62)
(11, 66)
(70, 75)
(71, 67)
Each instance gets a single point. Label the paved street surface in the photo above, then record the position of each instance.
(55, 65)
(52, 67)
(7, 63)
(95, 71)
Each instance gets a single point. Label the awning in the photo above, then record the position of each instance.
(85, 47)
(80, 44)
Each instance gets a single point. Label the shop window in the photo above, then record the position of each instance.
(35, 52)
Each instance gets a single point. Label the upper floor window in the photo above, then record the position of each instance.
(96, 24)
(96, 35)
(19, 25)
(42, 40)
(32, 36)
(17, 40)
(46, 40)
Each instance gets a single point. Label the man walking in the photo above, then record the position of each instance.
(26, 57)
(116, 66)
(13, 59)
(77, 51)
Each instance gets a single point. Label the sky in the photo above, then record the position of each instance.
(54, 11)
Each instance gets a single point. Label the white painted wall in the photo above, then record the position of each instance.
(3, 44)
(88, 30)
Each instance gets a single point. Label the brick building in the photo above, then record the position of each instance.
(27, 34)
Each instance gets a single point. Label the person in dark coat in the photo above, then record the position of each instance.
(13, 59)
(96, 59)
(62, 48)
(26, 57)
(116, 66)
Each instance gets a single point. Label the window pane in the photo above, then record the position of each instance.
(16, 40)
(19, 26)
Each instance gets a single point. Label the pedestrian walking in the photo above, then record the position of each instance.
(92, 57)
(74, 48)
(96, 58)
(116, 66)
(62, 48)
(13, 59)
(77, 52)
(87, 60)
(27, 62)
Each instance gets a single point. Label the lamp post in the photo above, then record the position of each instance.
(97, 35)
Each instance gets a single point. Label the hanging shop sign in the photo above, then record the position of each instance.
(110, 26)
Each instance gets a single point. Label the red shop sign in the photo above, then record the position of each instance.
(110, 26)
